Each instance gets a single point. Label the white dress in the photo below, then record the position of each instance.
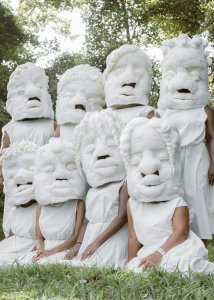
(37, 131)
(102, 206)
(198, 194)
(153, 226)
(127, 114)
(57, 223)
(66, 131)
(15, 248)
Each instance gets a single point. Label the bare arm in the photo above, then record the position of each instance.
(75, 249)
(180, 223)
(39, 236)
(115, 225)
(5, 143)
(133, 243)
(210, 141)
(79, 221)
(57, 131)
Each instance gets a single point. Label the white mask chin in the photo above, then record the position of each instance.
(127, 77)
(56, 176)
(184, 83)
(28, 96)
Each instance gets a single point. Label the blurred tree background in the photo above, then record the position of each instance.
(108, 25)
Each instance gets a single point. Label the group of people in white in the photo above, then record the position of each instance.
(70, 188)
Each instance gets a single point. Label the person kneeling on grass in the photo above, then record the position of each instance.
(103, 239)
(17, 166)
(158, 216)
(59, 190)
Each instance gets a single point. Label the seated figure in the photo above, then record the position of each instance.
(17, 165)
(158, 216)
(59, 192)
(103, 237)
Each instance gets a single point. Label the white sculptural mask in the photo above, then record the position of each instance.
(80, 90)
(184, 83)
(100, 157)
(18, 176)
(128, 80)
(56, 176)
(150, 176)
(28, 96)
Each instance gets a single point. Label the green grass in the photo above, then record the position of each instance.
(66, 282)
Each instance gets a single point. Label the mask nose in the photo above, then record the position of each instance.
(101, 150)
(61, 173)
(149, 164)
(23, 177)
(182, 83)
(33, 92)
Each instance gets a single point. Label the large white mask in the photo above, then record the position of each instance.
(127, 77)
(28, 96)
(151, 150)
(18, 166)
(80, 90)
(184, 83)
(56, 176)
(97, 146)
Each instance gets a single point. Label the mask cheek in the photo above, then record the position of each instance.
(165, 172)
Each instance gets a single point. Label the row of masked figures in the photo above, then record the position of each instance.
(67, 197)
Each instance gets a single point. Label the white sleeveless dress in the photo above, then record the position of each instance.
(57, 223)
(37, 131)
(153, 226)
(16, 247)
(127, 114)
(66, 131)
(198, 194)
(102, 206)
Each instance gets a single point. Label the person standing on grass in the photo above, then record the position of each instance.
(60, 192)
(30, 106)
(184, 102)
(158, 217)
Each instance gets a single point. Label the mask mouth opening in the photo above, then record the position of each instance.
(61, 179)
(103, 157)
(155, 173)
(80, 106)
(131, 84)
(27, 183)
(186, 91)
(34, 98)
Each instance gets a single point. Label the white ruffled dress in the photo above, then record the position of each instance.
(16, 247)
(57, 223)
(153, 226)
(102, 206)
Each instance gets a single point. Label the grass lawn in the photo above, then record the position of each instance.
(66, 282)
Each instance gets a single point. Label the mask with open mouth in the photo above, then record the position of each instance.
(184, 83)
(97, 148)
(17, 166)
(127, 77)
(28, 96)
(151, 150)
(79, 90)
(56, 176)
